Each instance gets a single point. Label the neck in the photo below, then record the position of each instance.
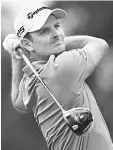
(36, 57)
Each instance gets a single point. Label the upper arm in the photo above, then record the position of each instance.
(73, 68)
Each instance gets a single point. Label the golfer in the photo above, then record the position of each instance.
(63, 63)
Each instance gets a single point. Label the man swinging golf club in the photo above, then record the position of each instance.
(53, 81)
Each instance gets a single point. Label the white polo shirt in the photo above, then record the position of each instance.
(65, 76)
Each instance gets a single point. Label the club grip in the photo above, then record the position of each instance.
(20, 51)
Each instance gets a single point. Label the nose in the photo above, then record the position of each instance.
(55, 32)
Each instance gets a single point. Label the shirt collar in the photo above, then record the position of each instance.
(36, 64)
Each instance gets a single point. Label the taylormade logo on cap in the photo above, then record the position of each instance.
(31, 14)
(33, 19)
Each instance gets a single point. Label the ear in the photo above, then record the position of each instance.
(27, 44)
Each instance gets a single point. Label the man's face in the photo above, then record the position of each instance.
(49, 40)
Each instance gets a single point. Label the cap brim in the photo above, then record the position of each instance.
(39, 22)
(59, 13)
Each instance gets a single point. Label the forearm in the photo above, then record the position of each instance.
(75, 42)
(96, 47)
(18, 86)
(80, 41)
(17, 66)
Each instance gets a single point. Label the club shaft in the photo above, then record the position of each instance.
(37, 75)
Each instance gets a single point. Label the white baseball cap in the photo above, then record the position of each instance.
(34, 18)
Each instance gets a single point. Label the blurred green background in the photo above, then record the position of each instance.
(95, 18)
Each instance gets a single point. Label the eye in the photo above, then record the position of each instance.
(44, 31)
(57, 26)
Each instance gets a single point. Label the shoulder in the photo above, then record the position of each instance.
(70, 58)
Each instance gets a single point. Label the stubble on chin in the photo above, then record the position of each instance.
(58, 50)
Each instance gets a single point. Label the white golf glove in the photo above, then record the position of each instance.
(11, 43)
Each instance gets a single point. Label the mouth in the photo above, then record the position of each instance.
(58, 42)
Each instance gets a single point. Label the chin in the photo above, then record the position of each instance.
(60, 48)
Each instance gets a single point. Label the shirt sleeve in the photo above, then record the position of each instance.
(74, 67)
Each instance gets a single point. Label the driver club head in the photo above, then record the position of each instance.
(79, 120)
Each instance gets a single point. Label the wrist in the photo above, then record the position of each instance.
(17, 63)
